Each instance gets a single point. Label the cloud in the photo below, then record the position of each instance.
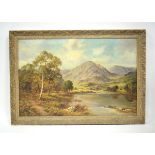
(104, 60)
(73, 44)
(73, 52)
(126, 45)
(116, 52)
(24, 62)
(126, 52)
(98, 51)
(29, 49)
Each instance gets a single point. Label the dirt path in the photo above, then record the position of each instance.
(40, 110)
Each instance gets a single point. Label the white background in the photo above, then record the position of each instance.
(5, 126)
(77, 140)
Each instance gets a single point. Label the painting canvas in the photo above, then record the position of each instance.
(77, 77)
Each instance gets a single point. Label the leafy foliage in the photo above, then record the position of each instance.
(131, 85)
(68, 85)
(43, 75)
(29, 78)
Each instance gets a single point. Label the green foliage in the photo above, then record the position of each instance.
(113, 89)
(28, 78)
(57, 84)
(47, 64)
(56, 104)
(42, 75)
(131, 86)
(68, 85)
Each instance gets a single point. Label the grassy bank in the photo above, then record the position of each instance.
(55, 104)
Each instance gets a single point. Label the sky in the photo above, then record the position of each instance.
(73, 52)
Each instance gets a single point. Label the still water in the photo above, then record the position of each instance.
(100, 104)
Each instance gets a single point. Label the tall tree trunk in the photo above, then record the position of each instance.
(42, 86)
(49, 87)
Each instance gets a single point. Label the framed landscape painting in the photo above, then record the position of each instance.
(77, 77)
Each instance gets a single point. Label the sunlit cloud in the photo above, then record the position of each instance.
(98, 51)
(73, 52)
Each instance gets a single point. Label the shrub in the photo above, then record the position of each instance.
(80, 108)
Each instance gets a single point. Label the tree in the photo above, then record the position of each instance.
(27, 77)
(47, 66)
(131, 86)
(68, 85)
(58, 84)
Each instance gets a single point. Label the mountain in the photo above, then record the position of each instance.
(63, 72)
(88, 72)
(121, 70)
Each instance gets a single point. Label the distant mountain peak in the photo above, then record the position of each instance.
(88, 72)
(88, 63)
(121, 70)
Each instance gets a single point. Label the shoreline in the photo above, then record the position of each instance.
(97, 92)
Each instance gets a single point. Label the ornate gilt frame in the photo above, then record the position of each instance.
(139, 35)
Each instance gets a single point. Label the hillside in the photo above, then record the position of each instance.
(88, 72)
(121, 70)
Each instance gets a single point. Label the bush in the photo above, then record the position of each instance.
(112, 89)
(80, 108)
